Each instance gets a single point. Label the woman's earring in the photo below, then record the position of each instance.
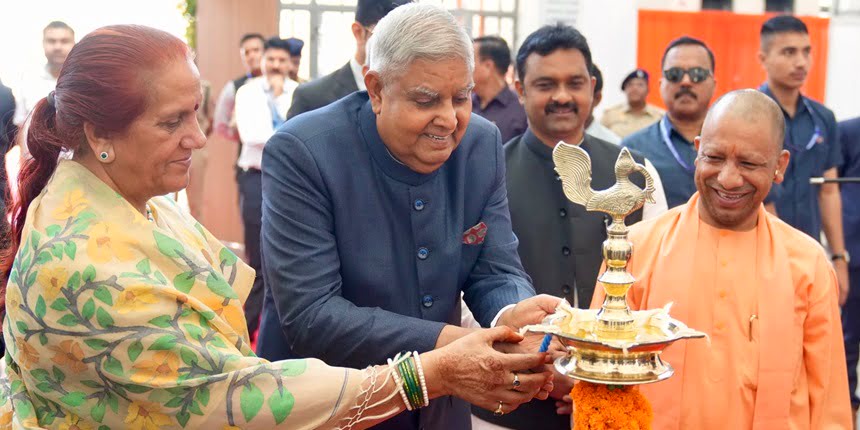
(103, 156)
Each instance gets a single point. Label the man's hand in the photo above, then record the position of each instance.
(564, 406)
(276, 82)
(841, 268)
(469, 368)
(529, 311)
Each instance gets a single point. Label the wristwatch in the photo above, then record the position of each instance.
(841, 256)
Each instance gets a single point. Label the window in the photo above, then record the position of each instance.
(786, 6)
(324, 25)
(717, 4)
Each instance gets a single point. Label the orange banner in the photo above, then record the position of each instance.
(734, 39)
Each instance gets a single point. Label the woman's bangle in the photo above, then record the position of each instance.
(392, 367)
(417, 359)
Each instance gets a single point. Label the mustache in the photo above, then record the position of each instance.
(686, 91)
(553, 107)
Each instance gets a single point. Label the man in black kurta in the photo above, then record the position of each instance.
(560, 242)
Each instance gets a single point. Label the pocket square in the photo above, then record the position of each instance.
(476, 234)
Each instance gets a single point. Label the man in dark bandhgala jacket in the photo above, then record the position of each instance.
(560, 242)
(849, 135)
(382, 208)
(314, 95)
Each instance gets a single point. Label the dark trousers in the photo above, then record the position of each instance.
(251, 206)
(851, 332)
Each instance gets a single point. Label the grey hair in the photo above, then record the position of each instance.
(417, 32)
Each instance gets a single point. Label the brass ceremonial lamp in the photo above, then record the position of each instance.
(612, 345)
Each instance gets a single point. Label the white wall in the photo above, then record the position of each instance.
(843, 64)
(611, 29)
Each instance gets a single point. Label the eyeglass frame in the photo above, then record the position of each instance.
(687, 72)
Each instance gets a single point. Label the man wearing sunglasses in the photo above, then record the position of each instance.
(687, 86)
(811, 137)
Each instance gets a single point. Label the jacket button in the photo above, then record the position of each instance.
(562, 213)
(423, 253)
(565, 289)
(418, 205)
(427, 301)
(565, 251)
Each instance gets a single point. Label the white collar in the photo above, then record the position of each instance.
(357, 74)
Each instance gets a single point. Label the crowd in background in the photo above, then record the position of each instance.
(559, 243)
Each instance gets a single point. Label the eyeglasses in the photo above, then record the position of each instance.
(676, 74)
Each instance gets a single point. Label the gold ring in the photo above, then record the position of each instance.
(499, 411)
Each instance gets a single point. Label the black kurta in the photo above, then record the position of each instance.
(560, 242)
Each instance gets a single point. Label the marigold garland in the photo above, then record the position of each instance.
(610, 407)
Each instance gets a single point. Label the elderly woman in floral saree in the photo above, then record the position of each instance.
(123, 312)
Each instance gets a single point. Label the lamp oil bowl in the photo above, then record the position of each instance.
(611, 345)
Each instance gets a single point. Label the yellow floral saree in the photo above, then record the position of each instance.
(114, 321)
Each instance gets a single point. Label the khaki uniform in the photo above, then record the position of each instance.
(623, 122)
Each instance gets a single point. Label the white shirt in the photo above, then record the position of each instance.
(29, 90)
(357, 74)
(254, 117)
(597, 130)
(653, 210)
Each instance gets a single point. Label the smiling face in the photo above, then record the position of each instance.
(739, 160)
(422, 113)
(557, 92)
(153, 155)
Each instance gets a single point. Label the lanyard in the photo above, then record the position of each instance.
(664, 132)
(816, 133)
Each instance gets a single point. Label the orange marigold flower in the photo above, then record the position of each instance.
(603, 407)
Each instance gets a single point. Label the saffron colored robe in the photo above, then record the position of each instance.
(767, 298)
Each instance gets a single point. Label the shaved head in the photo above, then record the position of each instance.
(740, 157)
(752, 106)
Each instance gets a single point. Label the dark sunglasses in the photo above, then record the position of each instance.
(676, 74)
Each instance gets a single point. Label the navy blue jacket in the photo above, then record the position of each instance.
(812, 140)
(849, 136)
(678, 183)
(366, 258)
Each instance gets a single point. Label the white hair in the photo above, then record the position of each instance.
(417, 32)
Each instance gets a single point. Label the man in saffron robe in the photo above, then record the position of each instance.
(764, 292)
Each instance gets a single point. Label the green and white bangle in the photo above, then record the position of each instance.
(421, 377)
(392, 367)
(411, 383)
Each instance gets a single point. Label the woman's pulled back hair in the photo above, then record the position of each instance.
(104, 81)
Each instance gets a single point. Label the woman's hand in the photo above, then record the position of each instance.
(472, 370)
